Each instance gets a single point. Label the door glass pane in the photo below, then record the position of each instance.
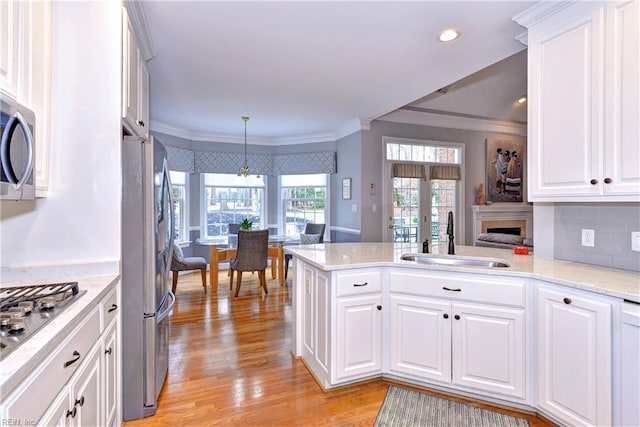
(406, 209)
(443, 197)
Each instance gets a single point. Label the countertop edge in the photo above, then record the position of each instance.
(17, 366)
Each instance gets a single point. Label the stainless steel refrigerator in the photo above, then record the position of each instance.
(147, 300)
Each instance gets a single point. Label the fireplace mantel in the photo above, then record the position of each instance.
(502, 214)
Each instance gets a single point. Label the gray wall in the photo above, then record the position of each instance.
(474, 172)
(613, 224)
(349, 165)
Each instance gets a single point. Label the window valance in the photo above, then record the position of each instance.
(450, 172)
(193, 161)
(407, 170)
(180, 159)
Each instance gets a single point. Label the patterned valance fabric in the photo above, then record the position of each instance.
(304, 163)
(445, 172)
(222, 162)
(180, 159)
(191, 161)
(407, 170)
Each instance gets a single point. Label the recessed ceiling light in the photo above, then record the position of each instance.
(522, 99)
(449, 35)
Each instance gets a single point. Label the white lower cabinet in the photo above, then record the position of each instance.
(77, 383)
(359, 336)
(573, 350)
(475, 346)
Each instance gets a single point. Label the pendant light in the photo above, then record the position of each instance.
(244, 177)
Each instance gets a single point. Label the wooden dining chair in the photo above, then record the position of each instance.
(251, 255)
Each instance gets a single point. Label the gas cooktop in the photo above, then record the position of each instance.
(26, 309)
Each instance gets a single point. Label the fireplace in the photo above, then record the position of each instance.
(505, 218)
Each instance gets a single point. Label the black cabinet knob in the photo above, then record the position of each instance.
(108, 351)
(141, 123)
(594, 181)
(608, 180)
(567, 300)
(446, 316)
(379, 307)
(457, 317)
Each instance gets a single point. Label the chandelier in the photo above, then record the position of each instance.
(244, 177)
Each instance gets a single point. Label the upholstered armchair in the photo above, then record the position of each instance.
(181, 263)
(251, 255)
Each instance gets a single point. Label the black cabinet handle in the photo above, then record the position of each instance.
(379, 307)
(594, 181)
(114, 307)
(457, 317)
(452, 289)
(140, 123)
(79, 401)
(608, 180)
(72, 413)
(361, 284)
(108, 351)
(72, 361)
(567, 300)
(446, 316)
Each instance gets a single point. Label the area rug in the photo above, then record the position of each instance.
(405, 407)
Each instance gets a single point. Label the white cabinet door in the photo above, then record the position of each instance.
(358, 337)
(110, 373)
(565, 107)
(573, 349)
(322, 323)
(58, 413)
(488, 348)
(11, 27)
(420, 338)
(308, 311)
(622, 133)
(143, 98)
(87, 394)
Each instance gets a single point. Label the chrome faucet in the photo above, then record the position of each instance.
(450, 233)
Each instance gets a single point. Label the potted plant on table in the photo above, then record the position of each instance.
(246, 224)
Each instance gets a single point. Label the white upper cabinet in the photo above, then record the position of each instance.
(25, 70)
(584, 101)
(135, 81)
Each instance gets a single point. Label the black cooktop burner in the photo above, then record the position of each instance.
(26, 309)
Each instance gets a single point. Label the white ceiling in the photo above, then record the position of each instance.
(312, 70)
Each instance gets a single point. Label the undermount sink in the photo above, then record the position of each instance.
(456, 260)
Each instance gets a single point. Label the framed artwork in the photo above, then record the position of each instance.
(346, 188)
(505, 170)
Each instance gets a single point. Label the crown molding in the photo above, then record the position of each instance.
(138, 20)
(523, 38)
(351, 127)
(539, 12)
(449, 121)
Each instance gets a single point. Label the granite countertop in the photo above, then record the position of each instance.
(340, 256)
(24, 359)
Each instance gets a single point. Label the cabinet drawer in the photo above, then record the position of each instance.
(358, 282)
(475, 288)
(33, 397)
(109, 308)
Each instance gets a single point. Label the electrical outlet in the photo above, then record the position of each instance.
(588, 237)
(635, 241)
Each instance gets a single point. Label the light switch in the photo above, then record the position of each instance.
(588, 237)
(374, 208)
(635, 241)
(354, 207)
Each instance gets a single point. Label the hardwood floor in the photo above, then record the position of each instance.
(230, 364)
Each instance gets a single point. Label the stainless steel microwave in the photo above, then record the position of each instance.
(17, 150)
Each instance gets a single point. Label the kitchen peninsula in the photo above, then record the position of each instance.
(497, 334)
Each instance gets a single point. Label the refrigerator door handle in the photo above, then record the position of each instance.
(150, 360)
(161, 315)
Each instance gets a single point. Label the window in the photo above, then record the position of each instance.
(227, 203)
(417, 208)
(179, 193)
(304, 200)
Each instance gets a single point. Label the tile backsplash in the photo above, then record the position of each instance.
(612, 223)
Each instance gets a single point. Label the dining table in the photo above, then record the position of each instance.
(220, 252)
